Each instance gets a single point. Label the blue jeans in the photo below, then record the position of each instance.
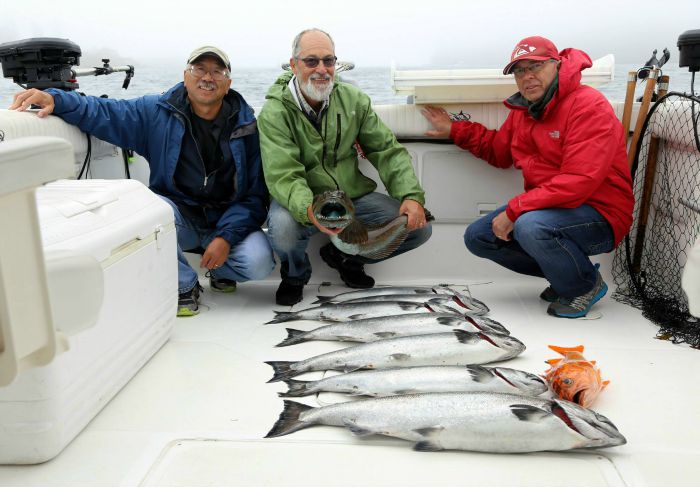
(250, 260)
(553, 243)
(290, 239)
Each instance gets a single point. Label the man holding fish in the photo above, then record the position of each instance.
(312, 129)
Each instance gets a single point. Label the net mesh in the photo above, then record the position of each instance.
(647, 268)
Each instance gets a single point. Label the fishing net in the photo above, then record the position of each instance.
(648, 267)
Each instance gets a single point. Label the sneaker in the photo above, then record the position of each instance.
(222, 285)
(580, 305)
(289, 294)
(188, 302)
(352, 273)
(550, 295)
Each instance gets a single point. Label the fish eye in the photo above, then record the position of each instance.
(568, 381)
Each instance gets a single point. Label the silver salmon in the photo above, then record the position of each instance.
(381, 290)
(455, 301)
(413, 380)
(356, 311)
(453, 348)
(373, 329)
(476, 421)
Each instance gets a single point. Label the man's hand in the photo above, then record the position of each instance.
(415, 213)
(216, 254)
(26, 99)
(502, 226)
(328, 231)
(440, 120)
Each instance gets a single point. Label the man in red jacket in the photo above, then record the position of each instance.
(578, 198)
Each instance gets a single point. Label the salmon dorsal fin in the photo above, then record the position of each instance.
(564, 350)
(553, 361)
(354, 233)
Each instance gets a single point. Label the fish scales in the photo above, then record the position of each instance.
(372, 329)
(454, 348)
(434, 378)
(476, 421)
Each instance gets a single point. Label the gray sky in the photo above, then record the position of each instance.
(445, 33)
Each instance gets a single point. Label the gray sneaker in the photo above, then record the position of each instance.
(550, 295)
(188, 302)
(580, 305)
(222, 285)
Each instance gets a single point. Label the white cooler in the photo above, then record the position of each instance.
(111, 261)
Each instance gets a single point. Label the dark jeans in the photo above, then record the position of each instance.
(553, 243)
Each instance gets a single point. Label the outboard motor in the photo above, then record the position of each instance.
(49, 62)
(689, 48)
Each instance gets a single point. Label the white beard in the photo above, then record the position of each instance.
(317, 94)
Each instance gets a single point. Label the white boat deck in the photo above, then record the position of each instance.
(197, 412)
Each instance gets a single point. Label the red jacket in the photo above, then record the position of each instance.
(574, 154)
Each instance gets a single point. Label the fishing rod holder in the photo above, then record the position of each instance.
(48, 62)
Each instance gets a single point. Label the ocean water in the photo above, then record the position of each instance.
(254, 83)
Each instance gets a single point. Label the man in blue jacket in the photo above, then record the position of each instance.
(201, 141)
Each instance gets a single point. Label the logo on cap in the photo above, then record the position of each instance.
(523, 49)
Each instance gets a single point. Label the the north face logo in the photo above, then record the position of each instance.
(524, 49)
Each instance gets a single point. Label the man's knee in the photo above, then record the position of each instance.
(478, 236)
(530, 229)
(283, 229)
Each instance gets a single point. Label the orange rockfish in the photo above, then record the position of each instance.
(574, 378)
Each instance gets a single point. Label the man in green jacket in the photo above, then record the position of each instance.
(309, 128)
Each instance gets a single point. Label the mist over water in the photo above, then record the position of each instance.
(253, 83)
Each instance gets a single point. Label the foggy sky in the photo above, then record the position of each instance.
(444, 33)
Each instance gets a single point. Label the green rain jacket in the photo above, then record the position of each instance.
(292, 149)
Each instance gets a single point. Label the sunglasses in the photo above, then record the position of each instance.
(532, 68)
(312, 62)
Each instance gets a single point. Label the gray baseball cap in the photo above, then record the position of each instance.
(209, 51)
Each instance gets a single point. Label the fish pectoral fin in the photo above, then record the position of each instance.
(427, 446)
(429, 443)
(357, 429)
(479, 374)
(525, 412)
(400, 356)
(354, 233)
(384, 334)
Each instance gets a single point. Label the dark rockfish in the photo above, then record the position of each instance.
(333, 209)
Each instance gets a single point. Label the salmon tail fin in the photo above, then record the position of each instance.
(297, 388)
(564, 350)
(283, 370)
(282, 316)
(293, 337)
(323, 299)
(288, 421)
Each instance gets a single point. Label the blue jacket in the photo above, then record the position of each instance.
(154, 126)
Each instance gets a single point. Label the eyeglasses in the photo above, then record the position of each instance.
(533, 68)
(312, 61)
(216, 74)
